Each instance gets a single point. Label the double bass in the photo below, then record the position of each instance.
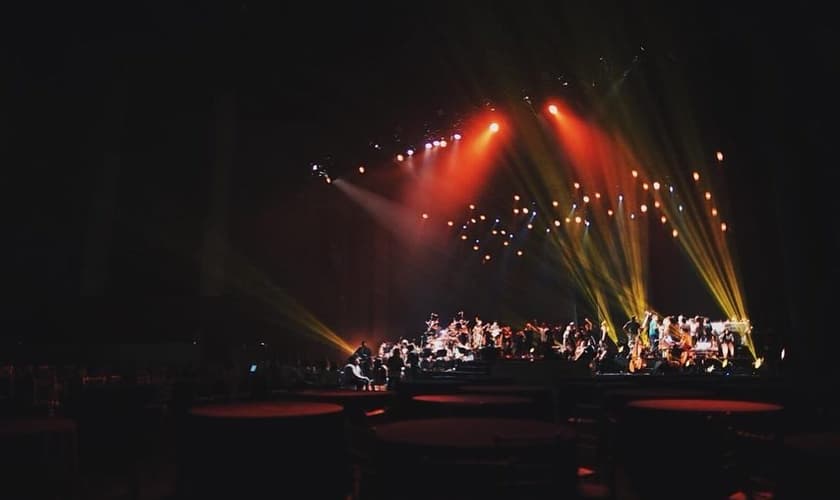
(637, 359)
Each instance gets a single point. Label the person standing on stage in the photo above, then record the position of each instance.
(631, 329)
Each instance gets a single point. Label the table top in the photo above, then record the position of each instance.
(279, 409)
(704, 405)
(342, 394)
(505, 389)
(471, 399)
(471, 432)
(41, 425)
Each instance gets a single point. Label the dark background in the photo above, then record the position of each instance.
(115, 118)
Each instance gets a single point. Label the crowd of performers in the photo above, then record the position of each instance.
(680, 342)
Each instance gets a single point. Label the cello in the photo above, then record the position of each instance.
(637, 360)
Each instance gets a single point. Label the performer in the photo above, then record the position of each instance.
(353, 375)
(631, 329)
(477, 338)
(727, 343)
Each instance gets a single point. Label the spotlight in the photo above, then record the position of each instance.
(524, 210)
(315, 167)
(475, 247)
(719, 156)
(503, 231)
(587, 223)
(634, 173)
(450, 223)
(548, 230)
(714, 212)
(410, 152)
(329, 181)
(621, 197)
(482, 217)
(436, 143)
(610, 212)
(577, 185)
(680, 208)
(671, 189)
(516, 210)
(574, 206)
(463, 236)
(553, 110)
(443, 143)
(723, 226)
(472, 207)
(428, 145)
(472, 220)
(663, 219)
(361, 170)
(487, 257)
(656, 204)
(506, 243)
(598, 195)
(632, 216)
(400, 158)
(494, 127)
(456, 137)
(425, 215)
(495, 231)
(586, 199)
(656, 186)
(555, 203)
(696, 176)
(675, 233)
(557, 223)
(516, 197)
(708, 195)
(519, 253)
(578, 219)
(645, 186)
(568, 220)
(644, 208)
(530, 226)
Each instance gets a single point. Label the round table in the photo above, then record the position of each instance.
(244, 449)
(809, 462)
(476, 457)
(356, 402)
(40, 455)
(462, 405)
(702, 434)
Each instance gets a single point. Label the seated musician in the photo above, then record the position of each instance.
(353, 375)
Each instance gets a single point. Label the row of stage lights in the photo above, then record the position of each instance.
(319, 171)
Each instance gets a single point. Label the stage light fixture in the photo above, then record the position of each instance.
(506, 243)
(400, 157)
(315, 167)
(680, 208)
(568, 220)
(450, 223)
(516, 197)
(586, 199)
(577, 185)
(645, 186)
(632, 216)
(656, 204)
(598, 195)
(410, 152)
(435, 143)
(671, 189)
(663, 219)
(519, 253)
(553, 110)
(557, 223)
(578, 219)
(634, 173)
(516, 210)
(719, 156)
(503, 231)
(494, 127)
(620, 197)
(443, 143)
(428, 145)
(463, 236)
(456, 137)
(482, 217)
(656, 186)
(714, 212)
(487, 257)
(644, 208)
(587, 223)
(555, 203)
(495, 231)
(329, 181)
(610, 212)
(696, 176)
(708, 195)
(530, 226)
(425, 215)
(472, 220)
(475, 247)
(524, 210)
(361, 170)
(675, 233)
(472, 206)
(723, 226)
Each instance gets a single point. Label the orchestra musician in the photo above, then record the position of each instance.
(727, 343)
